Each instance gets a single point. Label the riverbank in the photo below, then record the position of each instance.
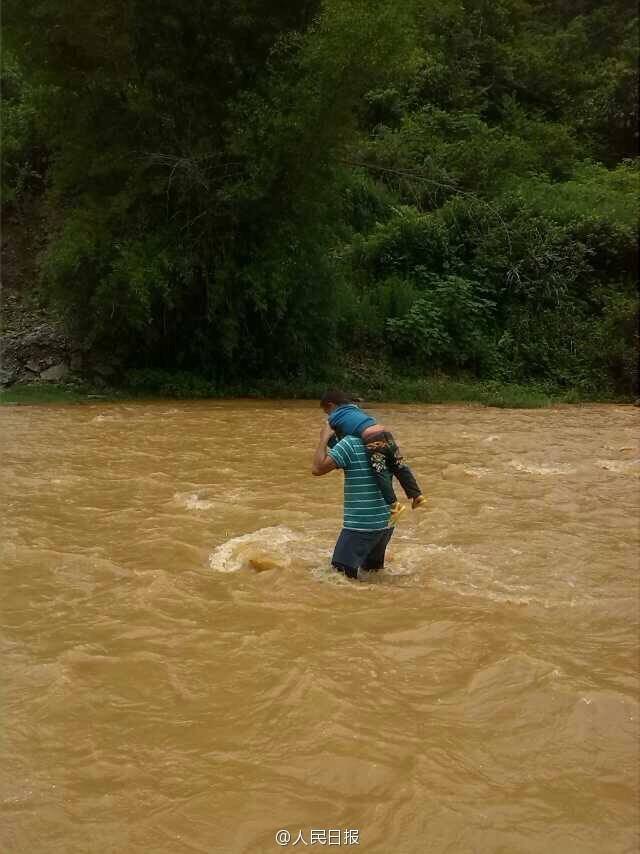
(399, 390)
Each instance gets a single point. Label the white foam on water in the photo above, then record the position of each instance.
(466, 587)
(327, 574)
(432, 548)
(281, 548)
(408, 559)
(194, 502)
(530, 468)
(268, 547)
(100, 418)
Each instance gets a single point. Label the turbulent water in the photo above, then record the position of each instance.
(184, 673)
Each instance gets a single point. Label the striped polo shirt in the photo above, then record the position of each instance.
(364, 507)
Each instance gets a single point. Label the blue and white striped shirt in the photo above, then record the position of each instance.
(364, 507)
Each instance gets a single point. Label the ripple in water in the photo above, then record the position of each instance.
(621, 466)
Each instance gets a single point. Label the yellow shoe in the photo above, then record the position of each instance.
(396, 510)
(418, 501)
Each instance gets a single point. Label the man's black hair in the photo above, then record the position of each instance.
(334, 395)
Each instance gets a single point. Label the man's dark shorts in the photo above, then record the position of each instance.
(364, 549)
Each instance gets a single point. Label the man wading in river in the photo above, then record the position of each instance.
(366, 532)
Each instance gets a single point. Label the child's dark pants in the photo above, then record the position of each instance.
(386, 461)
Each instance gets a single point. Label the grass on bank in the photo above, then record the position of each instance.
(438, 389)
(38, 393)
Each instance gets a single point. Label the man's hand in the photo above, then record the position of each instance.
(326, 432)
(322, 462)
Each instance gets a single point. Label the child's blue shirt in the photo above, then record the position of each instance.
(350, 420)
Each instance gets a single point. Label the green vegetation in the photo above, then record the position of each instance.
(271, 196)
(150, 385)
(37, 393)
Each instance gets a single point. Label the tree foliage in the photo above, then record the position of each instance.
(255, 190)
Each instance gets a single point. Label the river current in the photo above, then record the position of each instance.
(183, 672)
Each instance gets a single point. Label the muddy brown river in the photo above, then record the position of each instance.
(160, 695)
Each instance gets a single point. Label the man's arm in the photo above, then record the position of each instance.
(322, 462)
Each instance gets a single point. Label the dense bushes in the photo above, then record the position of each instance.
(272, 191)
(538, 285)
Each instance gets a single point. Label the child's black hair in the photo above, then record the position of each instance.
(334, 395)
